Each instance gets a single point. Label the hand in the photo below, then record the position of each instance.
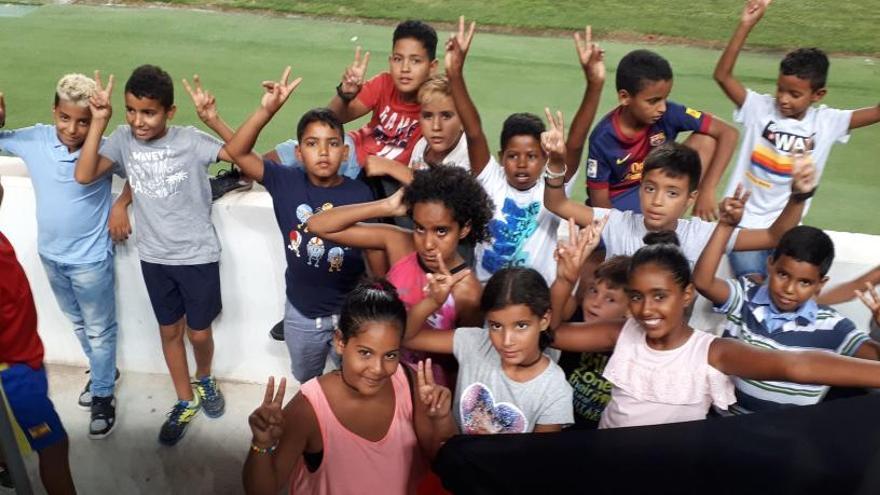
(803, 174)
(591, 56)
(440, 284)
(2, 111)
(118, 223)
(99, 103)
(754, 11)
(354, 75)
(871, 299)
(731, 209)
(437, 399)
(457, 48)
(277, 92)
(374, 167)
(394, 203)
(706, 207)
(204, 101)
(267, 421)
(571, 254)
(553, 139)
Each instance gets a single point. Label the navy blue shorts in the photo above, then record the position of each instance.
(178, 290)
(35, 422)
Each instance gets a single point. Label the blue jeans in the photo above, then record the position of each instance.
(349, 167)
(87, 297)
(308, 340)
(746, 262)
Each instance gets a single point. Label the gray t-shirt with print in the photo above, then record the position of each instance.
(487, 401)
(172, 195)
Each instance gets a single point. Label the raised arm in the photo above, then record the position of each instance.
(751, 14)
(847, 291)
(711, 287)
(570, 257)
(377, 166)
(345, 104)
(592, 59)
(240, 147)
(206, 108)
(862, 117)
(600, 336)
(726, 137)
(90, 165)
(553, 141)
(456, 51)
(435, 340)
(432, 416)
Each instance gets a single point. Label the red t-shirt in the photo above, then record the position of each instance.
(394, 127)
(19, 341)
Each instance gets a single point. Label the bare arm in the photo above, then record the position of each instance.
(432, 416)
(347, 107)
(587, 337)
(711, 287)
(467, 302)
(434, 340)
(206, 108)
(847, 290)
(558, 203)
(600, 198)
(378, 166)
(91, 165)
(865, 116)
(118, 224)
(723, 75)
(725, 137)
(592, 61)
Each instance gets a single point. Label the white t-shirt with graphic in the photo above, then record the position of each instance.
(458, 157)
(765, 157)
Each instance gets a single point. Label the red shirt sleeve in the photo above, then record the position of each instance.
(373, 89)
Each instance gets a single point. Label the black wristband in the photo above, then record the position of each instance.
(346, 97)
(803, 196)
(551, 186)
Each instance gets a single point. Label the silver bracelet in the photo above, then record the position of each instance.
(549, 174)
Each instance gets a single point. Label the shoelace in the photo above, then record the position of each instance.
(209, 388)
(176, 412)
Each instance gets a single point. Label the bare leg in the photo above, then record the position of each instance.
(203, 347)
(55, 469)
(175, 358)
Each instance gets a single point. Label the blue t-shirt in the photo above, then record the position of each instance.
(319, 273)
(71, 217)
(615, 161)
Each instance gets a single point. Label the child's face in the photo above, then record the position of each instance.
(601, 302)
(792, 282)
(515, 333)
(795, 95)
(664, 199)
(370, 356)
(147, 117)
(649, 104)
(71, 123)
(321, 151)
(409, 65)
(440, 123)
(523, 160)
(436, 234)
(658, 302)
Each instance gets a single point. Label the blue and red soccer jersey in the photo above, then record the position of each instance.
(615, 161)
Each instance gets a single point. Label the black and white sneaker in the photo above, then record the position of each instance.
(85, 397)
(103, 417)
(227, 181)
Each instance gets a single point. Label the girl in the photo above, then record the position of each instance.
(663, 371)
(447, 206)
(359, 429)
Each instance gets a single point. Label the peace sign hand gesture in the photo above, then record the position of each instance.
(871, 299)
(571, 254)
(731, 209)
(204, 101)
(803, 174)
(266, 421)
(440, 284)
(99, 102)
(553, 139)
(457, 47)
(591, 56)
(753, 11)
(437, 399)
(354, 76)
(277, 92)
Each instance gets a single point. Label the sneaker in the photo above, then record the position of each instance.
(210, 396)
(6, 478)
(179, 418)
(277, 331)
(103, 417)
(228, 180)
(85, 397)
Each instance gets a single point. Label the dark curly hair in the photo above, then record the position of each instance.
(810, 64)
(150, 81)
(456, 188)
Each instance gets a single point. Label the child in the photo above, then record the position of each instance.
(871, 300)
(359, 429)
(23, 377)
(319, 272)
(447, 206)
(777, 127)
(664, 371)
(523, 232)
(780, 313)
(668, 188)
(177, 244)
(73, 238)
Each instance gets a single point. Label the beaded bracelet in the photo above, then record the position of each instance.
(549, 174)
(260, 450)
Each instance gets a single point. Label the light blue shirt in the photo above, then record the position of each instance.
(774, 319)
(71, 217)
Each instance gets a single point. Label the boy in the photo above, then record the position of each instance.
(779, 313)
(644, 120)
(775, 128)
(523, 231)
(23, 377)
(177, 244)
(73, 240)
(668, 189)
(319, 273)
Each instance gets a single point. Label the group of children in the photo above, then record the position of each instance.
(469, 285)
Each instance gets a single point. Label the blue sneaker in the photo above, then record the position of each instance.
(179, 418)
(210, 396)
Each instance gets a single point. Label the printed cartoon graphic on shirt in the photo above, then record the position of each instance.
(444, 317)
(393, 133)
(295, 241)
(315, 249)
(481, 415)
(510, 235)
(773, 154)
(155, 174)
(335, 258)
(303, 213)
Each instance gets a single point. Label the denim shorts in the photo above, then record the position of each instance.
(178, 290)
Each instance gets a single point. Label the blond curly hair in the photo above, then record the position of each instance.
(75, 88)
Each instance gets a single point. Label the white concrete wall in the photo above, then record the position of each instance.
(252, 278)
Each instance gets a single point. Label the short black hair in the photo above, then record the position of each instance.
(457, 190)
(806, 63)
(420, 31)
(369, 301)
(662, 249)
(521, 124)
(675, 160)
(323, 115)
(150, 81)
(807, 244)
(638, 67)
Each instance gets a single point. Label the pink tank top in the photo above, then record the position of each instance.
(354, 465)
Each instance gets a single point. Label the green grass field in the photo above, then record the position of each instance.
(233, 52)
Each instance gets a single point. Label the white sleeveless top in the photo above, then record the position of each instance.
(653, 387)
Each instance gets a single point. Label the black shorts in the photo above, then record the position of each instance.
(178, 290)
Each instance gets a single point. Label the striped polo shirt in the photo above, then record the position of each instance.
(752, 318)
